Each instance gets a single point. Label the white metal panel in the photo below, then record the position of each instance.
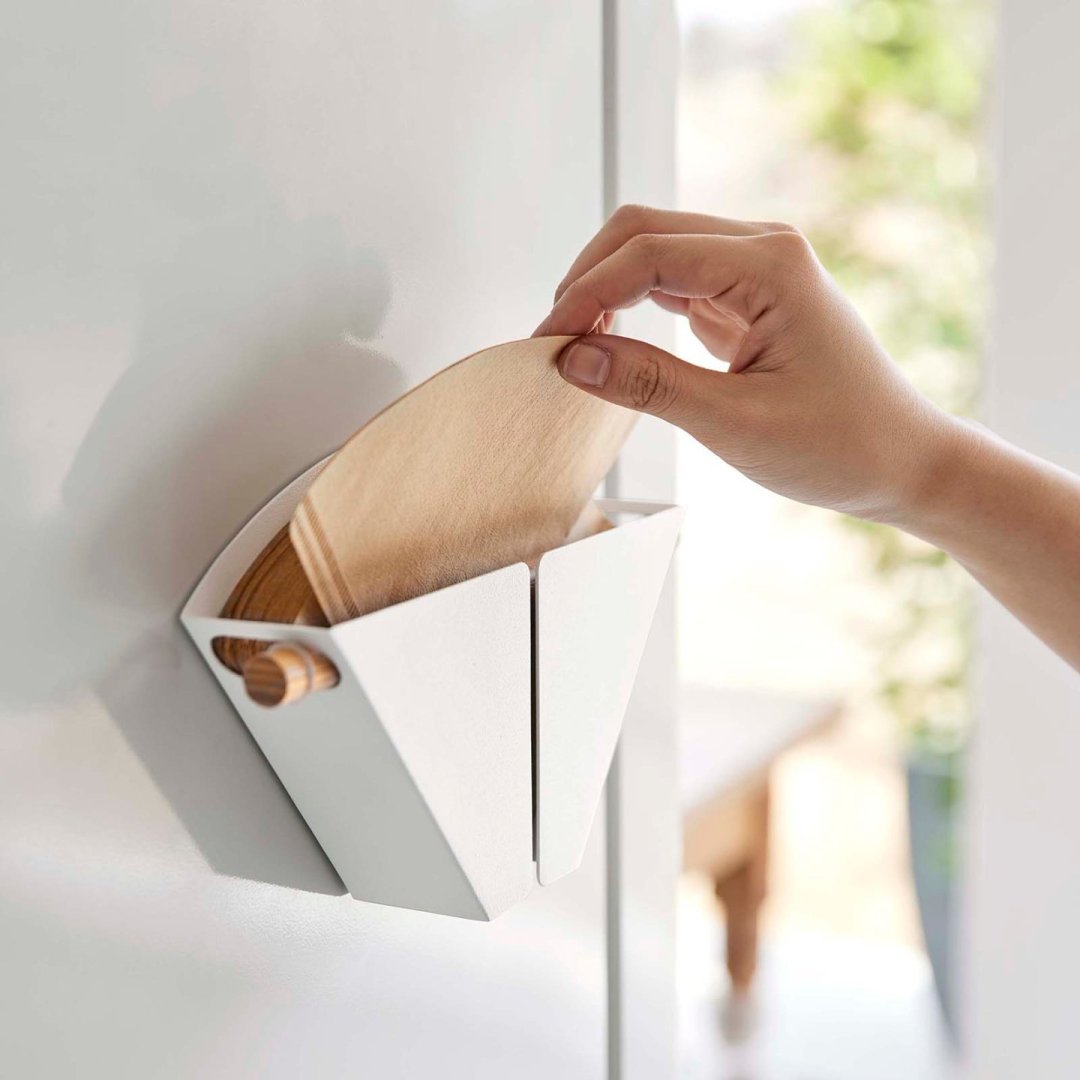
(594, 607)
(231, 233)
(448, 676)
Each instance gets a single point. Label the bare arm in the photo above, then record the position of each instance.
(1014, 521)
(812, 407)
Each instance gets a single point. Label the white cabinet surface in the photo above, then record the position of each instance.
(231, 233)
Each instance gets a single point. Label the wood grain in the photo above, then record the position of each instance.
(490, 462)
(274, 588)
(284, 672)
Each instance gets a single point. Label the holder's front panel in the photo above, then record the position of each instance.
(594, 607)
(449, 678)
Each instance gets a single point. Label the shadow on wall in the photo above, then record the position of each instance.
(249, 364)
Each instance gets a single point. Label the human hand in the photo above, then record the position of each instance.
(811, 405)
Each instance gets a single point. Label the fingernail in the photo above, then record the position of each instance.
(586, 364)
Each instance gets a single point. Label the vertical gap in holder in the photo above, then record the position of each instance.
(533, 638)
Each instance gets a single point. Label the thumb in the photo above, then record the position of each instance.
(640, 376)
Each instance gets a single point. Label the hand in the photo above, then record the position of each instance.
(811, 406)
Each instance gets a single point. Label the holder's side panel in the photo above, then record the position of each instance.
(449, 676)
(341, 770)
(594, 606)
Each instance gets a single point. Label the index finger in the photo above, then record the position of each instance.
(630, 221)
(690, 266)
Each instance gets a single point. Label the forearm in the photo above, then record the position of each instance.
(1013, 520)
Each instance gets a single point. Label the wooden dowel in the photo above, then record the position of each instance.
(285, 672)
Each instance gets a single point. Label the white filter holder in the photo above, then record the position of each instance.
(416, 772)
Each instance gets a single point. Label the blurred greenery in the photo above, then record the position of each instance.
(888, 98)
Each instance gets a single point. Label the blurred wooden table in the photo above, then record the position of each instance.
(729, 743)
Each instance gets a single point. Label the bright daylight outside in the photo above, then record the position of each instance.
(829, 656)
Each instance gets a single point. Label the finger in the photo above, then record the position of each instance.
(639, 376)
(631, 221)
(692, 267)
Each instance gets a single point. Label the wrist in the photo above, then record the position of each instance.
(965, 470)
(950, 456)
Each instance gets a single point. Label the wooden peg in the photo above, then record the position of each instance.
(285, 672)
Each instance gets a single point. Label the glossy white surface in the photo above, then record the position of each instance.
(231, 233)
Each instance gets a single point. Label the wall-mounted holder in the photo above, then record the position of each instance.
(458, 749)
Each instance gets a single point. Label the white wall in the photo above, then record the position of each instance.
(1023, 933)
(230, 233)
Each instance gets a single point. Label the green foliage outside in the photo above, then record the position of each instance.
(889, 97)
